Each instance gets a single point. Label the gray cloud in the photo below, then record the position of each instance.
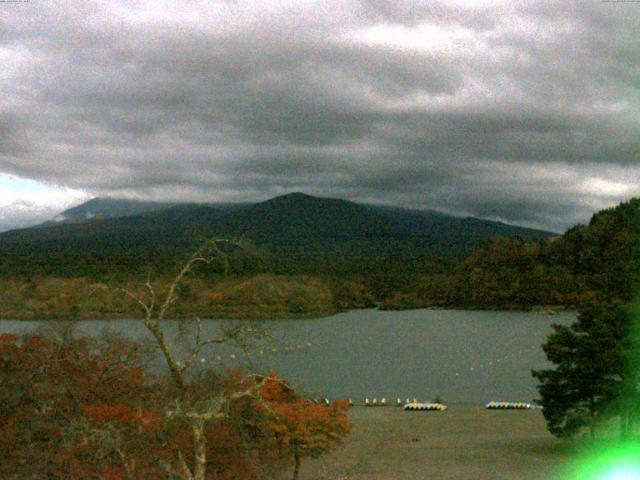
(421, 104)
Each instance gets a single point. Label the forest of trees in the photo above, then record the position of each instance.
(588, 263)
(596, 374)
(597, 262)
(78, 408)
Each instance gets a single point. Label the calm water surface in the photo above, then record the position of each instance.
(462, 356)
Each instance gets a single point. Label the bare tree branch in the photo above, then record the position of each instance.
(218, 406)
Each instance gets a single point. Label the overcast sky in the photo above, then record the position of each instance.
(523, 111)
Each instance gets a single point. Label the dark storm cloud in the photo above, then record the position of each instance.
(523, 112)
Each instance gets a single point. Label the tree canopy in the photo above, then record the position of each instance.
(595, 374)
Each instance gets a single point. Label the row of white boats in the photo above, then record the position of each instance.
(493, 405)
(414, 404)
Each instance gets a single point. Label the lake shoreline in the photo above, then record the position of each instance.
(258, 297)
(87, 316)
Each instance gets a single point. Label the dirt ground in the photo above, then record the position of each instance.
(462, 443)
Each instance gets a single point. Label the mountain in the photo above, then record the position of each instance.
(100, 208)
(295, 232)
(97, 208)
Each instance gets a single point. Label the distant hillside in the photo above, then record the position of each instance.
(606, 252)
(295, 233)
(397, 258)
(595, 262)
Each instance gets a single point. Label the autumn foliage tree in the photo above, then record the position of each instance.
(79, 409)
(61, 399)
(302, 427)
(74, 408)
(308, 431)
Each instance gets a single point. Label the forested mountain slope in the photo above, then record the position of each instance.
(598, 261)
(294, 233)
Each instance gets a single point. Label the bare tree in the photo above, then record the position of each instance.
(216, 406)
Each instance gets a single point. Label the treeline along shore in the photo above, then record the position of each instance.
(260, 296)
(592, 262)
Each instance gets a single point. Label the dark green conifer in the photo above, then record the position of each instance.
(594, 374)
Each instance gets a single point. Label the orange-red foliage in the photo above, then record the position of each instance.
(302, 426)
(84, 410)
(218, 296)
(48, 390)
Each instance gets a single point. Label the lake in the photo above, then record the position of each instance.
(462, 356)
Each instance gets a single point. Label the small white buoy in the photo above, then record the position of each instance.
(375, 402)
(366, 402)
(327, 402)
(399, 402)
(350, 403)
(383, 402)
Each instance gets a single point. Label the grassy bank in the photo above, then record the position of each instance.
(462, 443)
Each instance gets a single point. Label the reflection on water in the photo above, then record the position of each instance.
(462, 356)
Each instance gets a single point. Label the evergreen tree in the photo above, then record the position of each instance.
(594, 376)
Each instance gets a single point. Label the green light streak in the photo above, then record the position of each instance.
(601, 462)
